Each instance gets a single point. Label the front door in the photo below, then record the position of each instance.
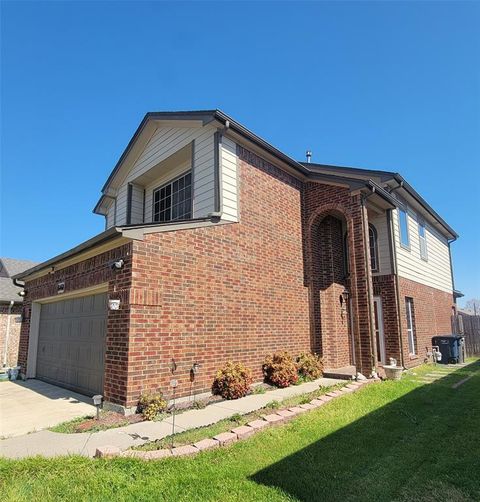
(379, 333)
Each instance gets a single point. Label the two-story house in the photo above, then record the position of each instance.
(220, 247)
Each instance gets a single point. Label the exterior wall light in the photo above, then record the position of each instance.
(113, 304)
(117, 264)
(97, 401)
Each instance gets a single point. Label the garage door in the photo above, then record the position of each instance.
(71, 343)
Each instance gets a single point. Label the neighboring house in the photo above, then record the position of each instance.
(221, 247)
(10, 309)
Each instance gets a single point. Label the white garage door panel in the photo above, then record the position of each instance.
(71, 343)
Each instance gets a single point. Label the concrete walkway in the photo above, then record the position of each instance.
(438, 372)
(51, 444)
(34, 405)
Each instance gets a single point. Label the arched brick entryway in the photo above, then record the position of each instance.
(340, 302)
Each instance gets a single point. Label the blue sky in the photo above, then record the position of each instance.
(384, 85)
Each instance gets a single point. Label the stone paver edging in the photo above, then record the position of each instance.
(235, 434)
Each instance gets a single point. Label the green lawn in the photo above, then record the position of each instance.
(393, 441)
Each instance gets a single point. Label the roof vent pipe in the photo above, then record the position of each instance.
(308, 154)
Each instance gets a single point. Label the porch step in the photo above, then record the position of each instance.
(344, 373)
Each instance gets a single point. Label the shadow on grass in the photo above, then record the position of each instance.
(422, 446)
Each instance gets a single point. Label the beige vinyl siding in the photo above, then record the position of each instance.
(110, 217)
(121, 216)
(381, 225)
(435, 272)
(165, 142)
(229, 180)
(137, 204)
(203, 175)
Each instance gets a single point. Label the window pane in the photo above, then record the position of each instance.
(410, 325)
(174, 200)
(404, 237)
(373, 248)
(422, 237)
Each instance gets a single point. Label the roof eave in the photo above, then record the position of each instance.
(101, 238)
(413, 193)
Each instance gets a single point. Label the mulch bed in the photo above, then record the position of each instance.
(109, 419)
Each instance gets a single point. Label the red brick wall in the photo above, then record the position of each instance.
(13, 332)
(332, 326)
(228, 292)
(91, 272)
(320, 201)
(432, 312)
(384, 286)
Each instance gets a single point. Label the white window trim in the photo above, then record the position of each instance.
(170, 182)
(399, 211)
(424, 250)
(411, 330)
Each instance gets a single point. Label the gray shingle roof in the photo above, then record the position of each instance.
(8, 268)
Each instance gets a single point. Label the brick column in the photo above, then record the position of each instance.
(361, 288)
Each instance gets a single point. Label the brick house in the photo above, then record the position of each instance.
(221, 247)
(10, 309)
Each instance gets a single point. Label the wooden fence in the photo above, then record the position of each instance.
(468, 326)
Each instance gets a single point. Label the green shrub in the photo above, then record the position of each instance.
(232, 381)
(279, 369)
(309, 366)
(151, 404)
(272, 405)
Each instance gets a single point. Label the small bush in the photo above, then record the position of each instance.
(151, 404)
(309, 366)
(279, 369)
(232, 381)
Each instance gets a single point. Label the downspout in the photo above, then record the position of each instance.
(373, 340)
(451, 267)
(217, 162)
(393, 257)
(7, 334)
(18, 284)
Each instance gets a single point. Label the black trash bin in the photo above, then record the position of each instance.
(451, 348)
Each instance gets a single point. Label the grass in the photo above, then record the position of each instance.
(394, 441)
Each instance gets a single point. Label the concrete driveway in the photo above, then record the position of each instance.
(34, 405)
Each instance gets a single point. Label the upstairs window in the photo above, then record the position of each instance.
(373, 242)
(173, 201)
(422, 237)
(403, 223)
